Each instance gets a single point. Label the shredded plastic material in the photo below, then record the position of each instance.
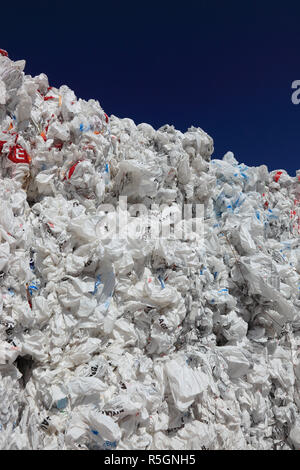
(140, 342)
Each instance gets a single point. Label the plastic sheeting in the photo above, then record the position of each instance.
(137, 342)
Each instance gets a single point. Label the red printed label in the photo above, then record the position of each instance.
(19, 155)
(2, 142)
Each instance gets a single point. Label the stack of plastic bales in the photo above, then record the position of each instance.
(135, 341)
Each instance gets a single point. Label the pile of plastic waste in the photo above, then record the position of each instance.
(135, 341)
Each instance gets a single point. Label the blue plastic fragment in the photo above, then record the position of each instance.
(94, 431)
(110, 444)
(236, 203)
(161, 282)
(82, 129)
(32, 288)
(106, 174)
(11, 291)
(97, 284)
(62, 403)
(31, 264)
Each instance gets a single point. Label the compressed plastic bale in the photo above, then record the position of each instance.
(173, 340)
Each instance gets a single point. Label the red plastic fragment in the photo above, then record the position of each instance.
(28, 296)
(106, 117)
(277, 176)
(3, 52)
(72, 169)
(58, 146)
(2, 142)
(43, 135)
(18, 155)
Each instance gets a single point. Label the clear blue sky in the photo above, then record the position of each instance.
(226, 66)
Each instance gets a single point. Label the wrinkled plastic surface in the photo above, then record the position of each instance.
(139, 343)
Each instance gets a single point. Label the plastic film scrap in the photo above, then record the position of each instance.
(136, 342)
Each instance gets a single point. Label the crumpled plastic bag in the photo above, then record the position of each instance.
(163, 340)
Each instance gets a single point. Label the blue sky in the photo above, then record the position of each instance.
(224, 66)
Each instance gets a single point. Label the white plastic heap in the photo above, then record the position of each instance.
(137, 342)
